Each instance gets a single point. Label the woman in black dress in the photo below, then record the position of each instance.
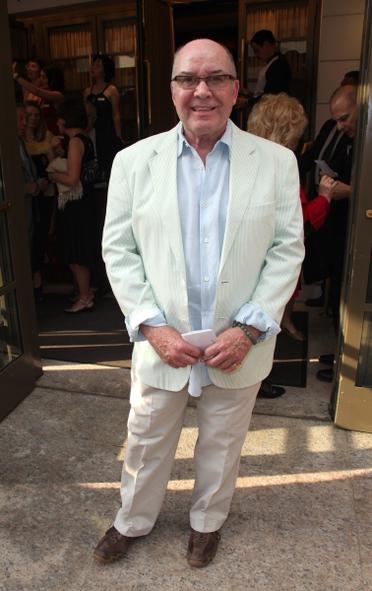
(76, 205)
(104, 95)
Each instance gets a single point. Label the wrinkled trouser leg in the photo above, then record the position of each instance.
(223, 418)
(154, 427)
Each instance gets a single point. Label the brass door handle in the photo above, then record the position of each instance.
(369, 213)
(242, 62)
(148, 84)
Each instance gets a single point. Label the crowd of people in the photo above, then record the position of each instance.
(325, 173)
(67, 147)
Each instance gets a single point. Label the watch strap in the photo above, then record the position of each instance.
(247, 332)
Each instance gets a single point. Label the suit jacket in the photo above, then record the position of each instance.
(278, 76)
(261, 255)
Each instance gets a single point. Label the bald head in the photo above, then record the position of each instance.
(204, 106)
(345, 94)
(343, 107)
(204, 46)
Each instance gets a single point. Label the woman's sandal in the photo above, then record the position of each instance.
(81, 305)
(75, 296)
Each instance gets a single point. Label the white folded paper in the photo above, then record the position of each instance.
(198, 375)
(200, 338)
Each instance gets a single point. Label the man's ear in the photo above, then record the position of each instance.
(172, 93)
(236, 90)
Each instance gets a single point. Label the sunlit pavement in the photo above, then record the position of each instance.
(301, 517)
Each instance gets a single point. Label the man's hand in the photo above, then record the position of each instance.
(170, 346)
(229, 350)
(333, 189)
(340, 191)
(326, 185)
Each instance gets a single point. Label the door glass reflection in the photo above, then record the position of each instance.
(5, 267)
(2, 195)
(364, 371)
(10, 341)
(369, 286)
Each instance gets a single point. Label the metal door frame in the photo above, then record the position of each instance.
(18, 377)
(352, 404)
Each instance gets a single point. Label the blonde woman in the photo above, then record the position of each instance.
(38, 138)
(38, 141)
(282, 119)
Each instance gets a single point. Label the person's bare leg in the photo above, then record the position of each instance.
(287, 322)
(82, 277)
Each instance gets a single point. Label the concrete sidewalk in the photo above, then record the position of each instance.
(301, 517)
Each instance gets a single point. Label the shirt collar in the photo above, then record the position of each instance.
(225, 139)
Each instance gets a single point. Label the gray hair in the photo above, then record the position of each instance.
(227, 51)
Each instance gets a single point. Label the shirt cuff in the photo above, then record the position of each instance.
(152, 317)
(252, 315)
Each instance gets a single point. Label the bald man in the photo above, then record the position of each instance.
(344, 110)
(203, 235)
(343, 107)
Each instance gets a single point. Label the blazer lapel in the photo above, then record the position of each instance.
(243, 171)
(163, 167)
(244, 166)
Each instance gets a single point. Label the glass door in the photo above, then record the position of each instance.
(19, 358)
(295, 25)
(117, 37)
(352, 397)
(70, 48)
(10, 341)
(156, 51)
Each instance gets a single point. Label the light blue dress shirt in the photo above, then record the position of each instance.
(203, 194)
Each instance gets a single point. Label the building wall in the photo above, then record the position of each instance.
(341, 32)
(29, 5)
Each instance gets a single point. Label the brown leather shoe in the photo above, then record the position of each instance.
(111, 547)
(202, 547)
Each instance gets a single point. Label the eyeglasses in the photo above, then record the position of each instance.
(214, 81)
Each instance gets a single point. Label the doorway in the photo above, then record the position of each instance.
(19, 357)
(222, 20)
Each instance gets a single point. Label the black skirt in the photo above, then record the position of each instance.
(77, 227)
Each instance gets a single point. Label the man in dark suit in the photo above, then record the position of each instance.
(337, 150)
(275, 76)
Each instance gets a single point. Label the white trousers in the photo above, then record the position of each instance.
(154, 427)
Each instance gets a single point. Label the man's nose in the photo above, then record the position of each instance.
(202, 88)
